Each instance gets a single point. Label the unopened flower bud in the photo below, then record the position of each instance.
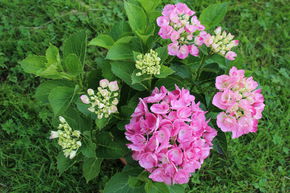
(85, 99)
(113, 86)
(104, 83)
(91, 91)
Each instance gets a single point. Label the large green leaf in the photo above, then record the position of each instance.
(33, 64)
(149, 5)
(182, 70)
(88, 149)
(44, 89)
(177, 188)
(76, 120)
(76, 44)
(156, 187)
(138, 79)
(213, 15)
(109, 147)
(72, 65)
(120, 29)
(63, 163)
(119, 184)
(60, 98)
(102, 40)
(220, 143)
(52, 55)
(164, 72)
(162, 53)
(137, 17)
(170, 82)
(101, 123)
(123, 70)
(91, 168)
(120, 51)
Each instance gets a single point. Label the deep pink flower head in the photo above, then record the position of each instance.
(179, 24)
(169, 135)
(241, 101)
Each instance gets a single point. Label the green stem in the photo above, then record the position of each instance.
(200, 67)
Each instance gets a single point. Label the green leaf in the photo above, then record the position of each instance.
(91, 168)
(162, 53)
(33, 64)
(177, 188)
(63, 163)
(88, 149)
(101, 123)
(105, 66)
(52, 55)
(52, 72)
(60, 98)
(76, 120)
(76, 44)
(138, 79)
(44, 89)
(149, 5)
(120, 29)
(102, 40)
(123, 70)
(73, 65)
(164, 72)
(120, 51)
(156, 187)
(182, 70)
(136, 16)
(109, 147)
(83, 108)
(119, 184)
(220, 143)
(170, 82)
(213, 15)
(220, 60)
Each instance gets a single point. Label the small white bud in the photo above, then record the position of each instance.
(53, 135)
(91, 91)
(113, 86)
(61, 119)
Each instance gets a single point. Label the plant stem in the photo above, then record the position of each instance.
(200, 67)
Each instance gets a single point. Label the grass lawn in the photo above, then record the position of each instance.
(256, 162)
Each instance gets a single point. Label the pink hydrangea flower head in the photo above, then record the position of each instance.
(179, 24)
(169, 135)
(242, 103)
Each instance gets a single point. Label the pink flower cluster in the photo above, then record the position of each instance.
(169, 135)
(242, 101)
(178, 24)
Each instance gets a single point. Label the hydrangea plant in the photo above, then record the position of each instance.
(151, 101)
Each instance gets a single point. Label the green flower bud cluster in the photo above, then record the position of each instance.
(68, 139)
(223, 42)
(105, 101)
(148, 63)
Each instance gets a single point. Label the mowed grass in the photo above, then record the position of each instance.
(254, 163)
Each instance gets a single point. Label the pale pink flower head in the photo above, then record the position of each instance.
(169, 135)
(179, 24)
(242, 103)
